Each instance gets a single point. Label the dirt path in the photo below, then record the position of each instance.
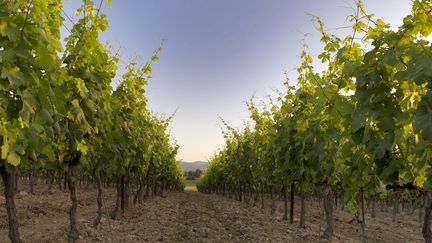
(206, 218)
(189, 217)
(181, 217)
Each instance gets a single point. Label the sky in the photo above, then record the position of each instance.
(219, 53)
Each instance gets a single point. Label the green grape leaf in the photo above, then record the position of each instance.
(82, 147)
(357, 121)
(44, 56)
(15, 77)
(77, 111)
(9, 30)
(13, 158)
(423, 119)
(82, 89)
(30, 105)
(49, 152)
(4, 149)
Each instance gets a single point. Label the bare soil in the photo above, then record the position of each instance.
(193, 217)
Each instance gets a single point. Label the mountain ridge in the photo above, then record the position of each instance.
(192, 166)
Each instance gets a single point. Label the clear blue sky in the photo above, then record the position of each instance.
(218, 53)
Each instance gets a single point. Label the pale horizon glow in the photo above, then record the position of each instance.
(218, 54)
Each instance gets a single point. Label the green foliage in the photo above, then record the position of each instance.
(61, 111)
(30, 68)
(360, 124)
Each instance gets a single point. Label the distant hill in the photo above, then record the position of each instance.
(192, 166)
